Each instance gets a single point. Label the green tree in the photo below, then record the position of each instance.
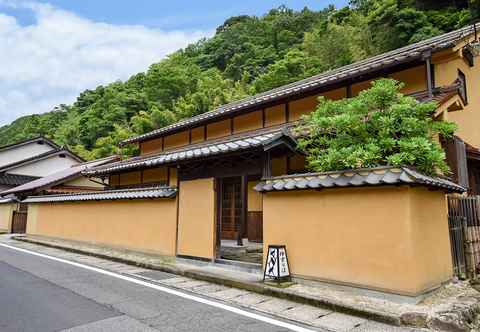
(378, 127)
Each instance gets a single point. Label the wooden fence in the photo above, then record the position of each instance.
(464, 224)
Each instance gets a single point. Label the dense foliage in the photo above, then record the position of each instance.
(378, 127)
(247, 55)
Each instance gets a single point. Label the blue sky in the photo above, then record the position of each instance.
(183, 15)
(51, 50)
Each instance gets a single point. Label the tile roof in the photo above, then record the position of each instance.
(233, 143)
(139, 193)
(357, 178)
(8, 200)
(31, 140)
(15, 180)
(440, 94)
(58, 177)
(39, 157)
(388, 59)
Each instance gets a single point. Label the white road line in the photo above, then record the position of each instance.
(169, 291)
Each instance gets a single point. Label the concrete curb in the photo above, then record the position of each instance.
(260, 288)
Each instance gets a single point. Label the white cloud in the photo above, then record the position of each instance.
(51, 61)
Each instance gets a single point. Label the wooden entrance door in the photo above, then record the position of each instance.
(231, 208)
(19, 219)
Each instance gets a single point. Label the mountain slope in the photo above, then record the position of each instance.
(247, 55)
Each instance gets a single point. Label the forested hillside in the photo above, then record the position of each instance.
(246, 55)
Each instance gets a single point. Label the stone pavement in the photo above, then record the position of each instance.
(293, 303)
(319, 318)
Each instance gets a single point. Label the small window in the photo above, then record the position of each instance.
(62, 155)
(463, 86)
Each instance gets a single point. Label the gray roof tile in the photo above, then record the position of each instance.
(137, 193)
(225, 145)
(361, 177)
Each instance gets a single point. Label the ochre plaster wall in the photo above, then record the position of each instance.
(151, 146)
(301, 107)
(365, 237)
(196, 219)
(144, 225)
(275, 115)
(218, 129)
(198, 134)
(6, 211)
(130, 178)
(155, 174)
(431, 239)
(414, 79)
(255, 199)
(176, 140)
(279, 166)
(468, 119)
(247, 122)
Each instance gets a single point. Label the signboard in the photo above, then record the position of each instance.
(276, 264)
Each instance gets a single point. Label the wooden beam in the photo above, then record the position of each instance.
(349, 91)
(428, 75)
(243, 216)
(267, 165)
(287, 112)
(263, 118)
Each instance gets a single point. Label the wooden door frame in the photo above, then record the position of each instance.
(243, 230)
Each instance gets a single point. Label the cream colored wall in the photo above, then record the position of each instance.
(6, 211)
(196, 220)
(446, 72)
(45, 166)
(144, 225)
(23, 152)
(365, 237)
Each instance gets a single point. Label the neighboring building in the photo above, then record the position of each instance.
(68, 180)
(227, 175)
(14, 213)
(31, 159)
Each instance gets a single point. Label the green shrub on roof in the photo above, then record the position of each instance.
(380, 126)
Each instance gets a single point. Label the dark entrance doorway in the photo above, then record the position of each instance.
(231, 208)
(238, 235)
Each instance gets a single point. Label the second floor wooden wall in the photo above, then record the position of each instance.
(414, 79)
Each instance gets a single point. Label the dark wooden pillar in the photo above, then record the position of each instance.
(243, 217)
(218, 195)
(267, 165)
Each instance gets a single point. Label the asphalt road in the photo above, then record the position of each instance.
(38, 294)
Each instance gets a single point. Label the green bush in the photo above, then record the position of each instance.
(380, 126)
